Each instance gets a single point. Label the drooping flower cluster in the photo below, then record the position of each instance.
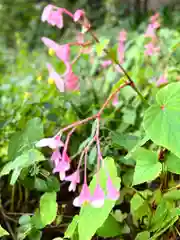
(61, 164)
(69, 81)
(152, 47)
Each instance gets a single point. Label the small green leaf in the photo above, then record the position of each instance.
(72, 227)
(172, 162)
(126, 141)
(110, 228)
(3, 232)
(101, 46)
(172, 195)
(15, 175)
(147, 167)
(51, 184)
(143, 236)
(161, 120)
(24, 219)
(92, 156)
(48, 208)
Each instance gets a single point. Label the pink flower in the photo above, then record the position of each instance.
(156, 25)
(97, 199)
(56, 78)
(154, 17)
(121, 50)
(150, 32)
(56, 157)
(84, 197)
(161, 81)
(106, 63)
(52, 143)
(79, 14)
(112, 192)
(74, 179)
(151, 49)
(53, 15)
(71, 81)
(61, 165)
(62, 51)
(122, 36)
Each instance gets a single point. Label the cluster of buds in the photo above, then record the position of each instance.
(69, 81)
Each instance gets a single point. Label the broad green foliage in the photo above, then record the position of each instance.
(3, 232)
(48, 208)
(161, 120)
(95, 217)
(110, 228)
(147, 166)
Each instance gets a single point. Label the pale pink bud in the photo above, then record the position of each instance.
(97, 199)
(121, 50)
(112, 192)
(162, 80)
(79, 14)
(115, 100)
(84, 197)
(52, 143)
(150, 32)
(74, 179)
(56, 78)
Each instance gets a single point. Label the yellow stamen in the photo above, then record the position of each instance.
(50, 81)
(51, 52)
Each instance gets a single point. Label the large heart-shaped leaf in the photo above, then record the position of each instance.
(162, 119)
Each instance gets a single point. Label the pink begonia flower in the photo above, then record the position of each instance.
(106, 63)
(97, 199)
(112, 192)
(62, 51)
(56, 78)
(122, 36)
(56, 157)
(151, 49)
(78, 15)
(71, 81)
(53, 15)
(115, 100)
(52, 143)
(161, 81)
(150, 32)
(154, 17)
(62, 165)
(74, 179)
(156, 25)
(84, 196)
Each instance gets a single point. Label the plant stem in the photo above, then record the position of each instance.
(114, 60)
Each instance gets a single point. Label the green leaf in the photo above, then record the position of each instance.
(48, 208)
(27, 159)
(147, 167)
(101, 46)
(15, 175)
(92, 218)
(143, 236)
(126, 141)
(172, 195)
(72, 227)
(23, 231)
(162, 119)
(24, 219)
(3, 232)
(51, 184)
(92, 155)
(172, 162)
(110, 228)
(37, 221)
(25, 139)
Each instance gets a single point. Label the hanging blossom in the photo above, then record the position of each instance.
(152, 48)
(69, 81)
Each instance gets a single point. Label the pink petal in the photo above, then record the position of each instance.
(106, 63)
(115, 100)
(122, 36)
(62, 166)
(85, 196)
(49, 142)
(74, 179)
(71, 81)
(112, 192)
(78, 15)
(56, 77)
(46, 12)
(56, 157)
(97, 199)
